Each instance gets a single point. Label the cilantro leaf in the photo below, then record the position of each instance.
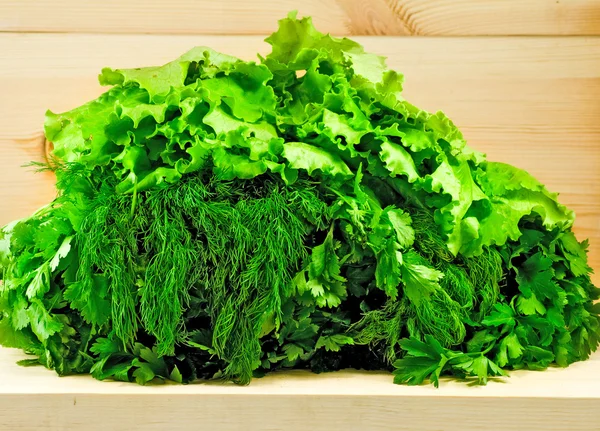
(333, 343)
(536, 276)
(429, 360)
(420, 281)
(43, 324)
(530, 305)
(502, 315)
(415, 370)
(510, 348)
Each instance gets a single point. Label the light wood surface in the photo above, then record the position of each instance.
(356, 17)
(556, 399)
(532, 102)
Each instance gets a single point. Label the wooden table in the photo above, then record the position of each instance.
(556, 399)
(520, 78)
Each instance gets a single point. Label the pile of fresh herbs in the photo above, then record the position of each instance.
(222, 218)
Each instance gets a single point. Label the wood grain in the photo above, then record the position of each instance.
(355, 17)
(553, 400)
(532, 102)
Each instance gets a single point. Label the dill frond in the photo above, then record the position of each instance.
(238, 243)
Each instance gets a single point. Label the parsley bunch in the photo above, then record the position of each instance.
(217, 218)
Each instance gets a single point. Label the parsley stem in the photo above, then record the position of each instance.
(473, 354)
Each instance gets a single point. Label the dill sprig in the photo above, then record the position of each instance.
(240, 245)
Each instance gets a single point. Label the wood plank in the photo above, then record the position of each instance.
(553, 400)
(22, 190)
(354, 17)
(531, 102)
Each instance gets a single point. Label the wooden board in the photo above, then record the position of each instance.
(528, 101)
(356, 17)
(532, 102)
(554, 400)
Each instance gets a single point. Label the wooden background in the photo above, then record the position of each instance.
(521, 78)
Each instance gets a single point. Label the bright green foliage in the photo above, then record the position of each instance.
(428, 360)
(221, 218)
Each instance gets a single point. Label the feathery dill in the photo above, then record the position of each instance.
(428, 239)
(382, 327)
(473, 282)
(169, 273)
(466, 285)
(240, 243)
(438, 314)
(485, 273)
(265, 248)
(457, 283)
(107, 244)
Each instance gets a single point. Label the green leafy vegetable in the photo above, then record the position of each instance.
(218, 218)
